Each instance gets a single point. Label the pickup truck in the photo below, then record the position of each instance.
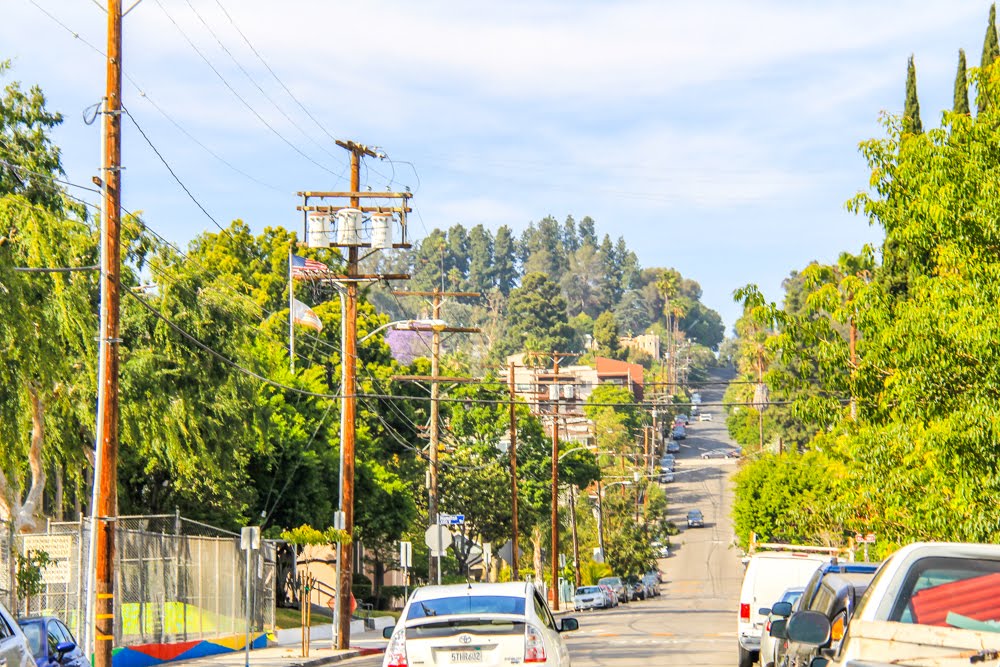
(932, 604)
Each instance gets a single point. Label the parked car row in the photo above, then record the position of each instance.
(42, 641)
(777, 585)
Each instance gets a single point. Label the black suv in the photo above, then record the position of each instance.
(834, 590)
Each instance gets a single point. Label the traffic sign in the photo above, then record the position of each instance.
(406, 554)
(437, 539)
(451, 519)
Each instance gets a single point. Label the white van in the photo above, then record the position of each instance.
(767, 576)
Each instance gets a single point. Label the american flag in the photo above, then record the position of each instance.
(303, 267)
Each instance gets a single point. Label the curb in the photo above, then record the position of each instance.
(328, 660)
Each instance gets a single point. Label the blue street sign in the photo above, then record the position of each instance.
(451, 519)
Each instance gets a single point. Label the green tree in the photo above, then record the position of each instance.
(26, 149)
(47, 325)
(961, 103)
(537, 318)
(505, 260)
(911, 113)
(606, 335)
(481, 263)
(991, 51)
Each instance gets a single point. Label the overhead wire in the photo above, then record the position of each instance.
(145, 96)
(252, 80)
(239, 97)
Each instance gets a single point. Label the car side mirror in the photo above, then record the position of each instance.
(568, 625)
(809, 627)
(819, 661)
(387, 632)
(782, 609)
(764, 611)
(779, 628)
(64, 647)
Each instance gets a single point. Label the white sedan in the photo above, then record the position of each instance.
(705, 417)
(477, 624)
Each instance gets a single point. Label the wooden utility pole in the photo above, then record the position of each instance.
(555, 487)
(349, 413)
(576, 543)
(107, 499)
(515, 574)
(349, 294)
(434, 567)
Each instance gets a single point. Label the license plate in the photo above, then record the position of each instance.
(466, 657)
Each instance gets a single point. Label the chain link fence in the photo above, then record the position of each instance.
(175, 579)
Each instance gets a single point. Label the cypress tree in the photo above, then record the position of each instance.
(991, 51)
(911, 112)
(961, 86)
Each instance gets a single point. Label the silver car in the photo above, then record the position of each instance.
(14, 649)
(591, 597)
(477, 624)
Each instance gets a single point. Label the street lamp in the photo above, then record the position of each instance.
(408, 325)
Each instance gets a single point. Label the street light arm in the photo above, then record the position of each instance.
(408, 325)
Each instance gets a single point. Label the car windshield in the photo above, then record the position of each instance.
(588, 590)
(33, 632)
(466, 604)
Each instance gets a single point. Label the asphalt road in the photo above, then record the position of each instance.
(693, 622)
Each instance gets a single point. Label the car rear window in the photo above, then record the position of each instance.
(951, 592)
(467, 604)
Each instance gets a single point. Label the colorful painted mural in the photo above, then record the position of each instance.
(148, 655)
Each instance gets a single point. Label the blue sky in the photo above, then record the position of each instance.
(718, 138)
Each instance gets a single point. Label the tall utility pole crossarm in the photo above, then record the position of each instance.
(434, 568)
(107, 504)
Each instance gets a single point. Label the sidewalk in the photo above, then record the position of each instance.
(320, 653)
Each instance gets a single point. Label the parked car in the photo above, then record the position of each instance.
(504, 623)
(834, 591)
(589, 597)
(673, 447)
(780, 610)
(662, 550)
(720, 454)
(636, 587)
(696, 519)
(610, 592)
(666, 476)
(696, 397)
(652, 581)
(682, 419)
(678, 432)
(768, 573)
(668, 462)
(14, 649)
(931, 603)
(705, 417)
(617, 585)
(52, 643)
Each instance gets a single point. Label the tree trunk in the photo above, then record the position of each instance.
(29, 513)
(58, 509)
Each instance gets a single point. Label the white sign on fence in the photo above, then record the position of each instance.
(60, 551)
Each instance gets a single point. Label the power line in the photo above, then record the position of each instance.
(254, 81)
(171, 170)
(240, 97)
